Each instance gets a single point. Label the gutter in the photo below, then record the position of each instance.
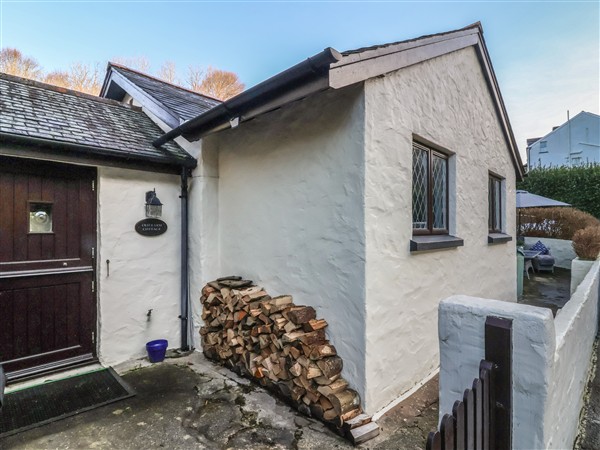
(307, 77)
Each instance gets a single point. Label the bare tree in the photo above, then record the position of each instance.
(13, 62)
(195, 78)
(220, 84)
(80, 77)
(58, 78)
(140, 63)
(85, 78)
(168, 72)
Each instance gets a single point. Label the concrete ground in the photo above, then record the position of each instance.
(190, 402)
(547, 289)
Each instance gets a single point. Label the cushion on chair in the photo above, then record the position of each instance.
(539, 247)
(545, 260)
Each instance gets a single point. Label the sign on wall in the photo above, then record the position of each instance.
(151, 227)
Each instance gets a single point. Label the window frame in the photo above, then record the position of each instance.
(495, 213)
(431, 153)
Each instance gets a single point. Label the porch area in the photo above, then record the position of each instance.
(190, 402)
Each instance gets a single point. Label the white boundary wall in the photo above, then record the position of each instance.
(551, 360)
(561, 249)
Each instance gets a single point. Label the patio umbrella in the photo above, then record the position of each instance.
(527, 200)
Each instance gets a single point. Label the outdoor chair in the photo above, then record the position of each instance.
(544, 261)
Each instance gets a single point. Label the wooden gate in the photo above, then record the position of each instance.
(482, 420)
(47, 242)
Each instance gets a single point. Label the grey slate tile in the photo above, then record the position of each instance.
(38, 110)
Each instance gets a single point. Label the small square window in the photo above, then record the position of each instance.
(40, 217)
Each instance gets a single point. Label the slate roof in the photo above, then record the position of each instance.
(30, 109)
(182, 102)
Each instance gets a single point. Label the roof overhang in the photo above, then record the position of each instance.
(332, 70)
(30, 147)
(115, 86)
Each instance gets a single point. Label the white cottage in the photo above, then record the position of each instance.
(369, 184)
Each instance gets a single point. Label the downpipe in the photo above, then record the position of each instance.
(184, 316)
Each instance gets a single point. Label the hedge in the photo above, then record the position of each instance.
(578, 185)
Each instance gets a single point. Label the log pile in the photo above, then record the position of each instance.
(283, 347)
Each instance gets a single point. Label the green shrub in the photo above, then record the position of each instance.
(556, 223)
(578, 185)
(586, 243)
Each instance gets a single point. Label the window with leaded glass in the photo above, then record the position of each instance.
(429, 190)
(495, 204)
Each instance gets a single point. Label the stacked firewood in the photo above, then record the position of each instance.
(282, 346)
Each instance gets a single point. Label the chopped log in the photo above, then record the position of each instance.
(312, 397)
(358, 421)
(330, 414)
(296, 370)
(239, 315)
(290, 326)
(344, 401)
(334, 388)
(330, 366)
(230, 277)
(312, 338)
(314, 325)
(294, 352)
(364, 433)
(302, 314)
(312, 372)
(214, 285)
(304, 361)
(340, 420)
(324, 381)
(322, 351)
(235, 284)
(281, 300)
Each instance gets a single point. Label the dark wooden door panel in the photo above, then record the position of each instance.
(72, 202)
(45, 318)
(47, 304)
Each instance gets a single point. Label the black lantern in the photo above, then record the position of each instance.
(153, 205)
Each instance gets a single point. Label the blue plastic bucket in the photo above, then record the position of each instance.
(156, 350)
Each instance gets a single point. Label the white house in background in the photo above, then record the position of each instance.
(575, 142)
(369, 184)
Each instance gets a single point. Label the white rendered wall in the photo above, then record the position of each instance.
(561, 249)
(446, 101)
(291, 218)
(203, 249)
(551, 360)
(144, 271)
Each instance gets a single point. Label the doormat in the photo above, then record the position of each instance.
(55, 400)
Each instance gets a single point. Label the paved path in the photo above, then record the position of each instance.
(191, 403)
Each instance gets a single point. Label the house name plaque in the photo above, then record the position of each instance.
(151, 227)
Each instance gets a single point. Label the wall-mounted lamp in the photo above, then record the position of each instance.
(153, 205)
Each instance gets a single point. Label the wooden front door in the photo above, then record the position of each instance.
(47, 247)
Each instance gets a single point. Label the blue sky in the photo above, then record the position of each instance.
(545, 54)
